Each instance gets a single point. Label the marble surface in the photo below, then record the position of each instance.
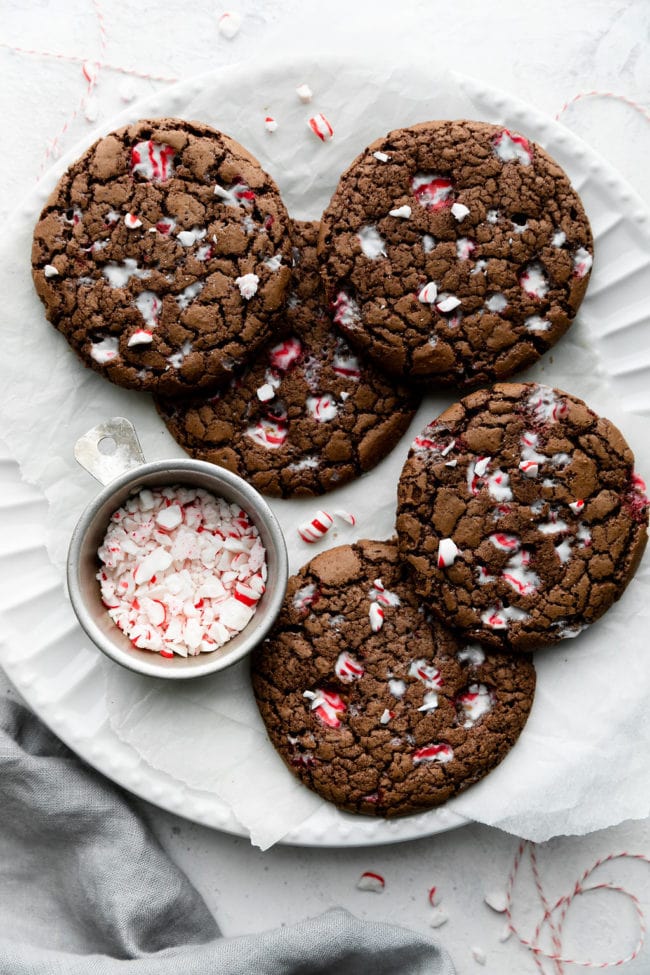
(545, 53)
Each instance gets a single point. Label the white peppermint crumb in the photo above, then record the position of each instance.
(247, 285)
(265, 392)
(438, 918)
(381, 156)
(497, 900)
(50, 271)
(403, 212)
(460, 211)
(304, 93)
(127, 90)
(229, 24)
(479, 955)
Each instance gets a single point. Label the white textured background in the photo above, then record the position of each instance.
(544, 52)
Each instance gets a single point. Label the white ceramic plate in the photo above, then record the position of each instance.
(45, 652)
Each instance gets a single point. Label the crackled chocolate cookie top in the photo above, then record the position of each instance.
(162, 255)
(521, 514)
(307, 415)
(370, 704)
(455, 252)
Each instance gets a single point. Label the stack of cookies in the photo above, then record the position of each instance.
(452, 254)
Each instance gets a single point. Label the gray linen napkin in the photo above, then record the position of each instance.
(86, 890)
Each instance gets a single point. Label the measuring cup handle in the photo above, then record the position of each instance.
(109, 449)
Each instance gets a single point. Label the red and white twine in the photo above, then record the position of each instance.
(554, 915)
(605, 94)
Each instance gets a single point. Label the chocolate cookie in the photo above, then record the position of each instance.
(162, 255)
(371, 705)
(455, 251)
(308, 415)
(522, 516)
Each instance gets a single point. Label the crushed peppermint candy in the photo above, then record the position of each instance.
(347, 668)
(152, 160)
(371, 881)
(497, 900)
(321, 127)
(313, 530)
(404, 212)
(229, 24)
(448, 552)
(345, 516)
(182, 570)
(381, 156)
(270, 124)
(327, 705)
(132, 221)
(376, 616)
(438, 918)
(247, 285)
(434, 896)
(50, 271)
(459, 211)
(304, 93)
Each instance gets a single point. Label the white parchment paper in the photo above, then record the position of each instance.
(581, 762)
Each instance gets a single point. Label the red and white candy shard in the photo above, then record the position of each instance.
(229, 24)
(447, 303)
(476, 471)
(545, 405)
(153, 160)
(321, 127)
(371, 881)
(376, 616)
(346, 310)
(322, 408)
(313, 530)
(432, 192)
(518, 574)
(379, 594)
(283, 355)
(149, 306)
(270, 124)
(499, 617)
(476, 702)
(510, 147)
(345, 516)
(306, 597)
(427, 673)
(534, 280)
(448, 551)
(582, 262)
(183, 570)
(434, 896)
(347, 668)
(268, 433)
(428, 293)
(504, 542)
(132, 221)
(498, 485)
(433, 753)
(106, 349)
(327, 705)
(386, 716)
(140, 337)
(577, 506)
(239, 194)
